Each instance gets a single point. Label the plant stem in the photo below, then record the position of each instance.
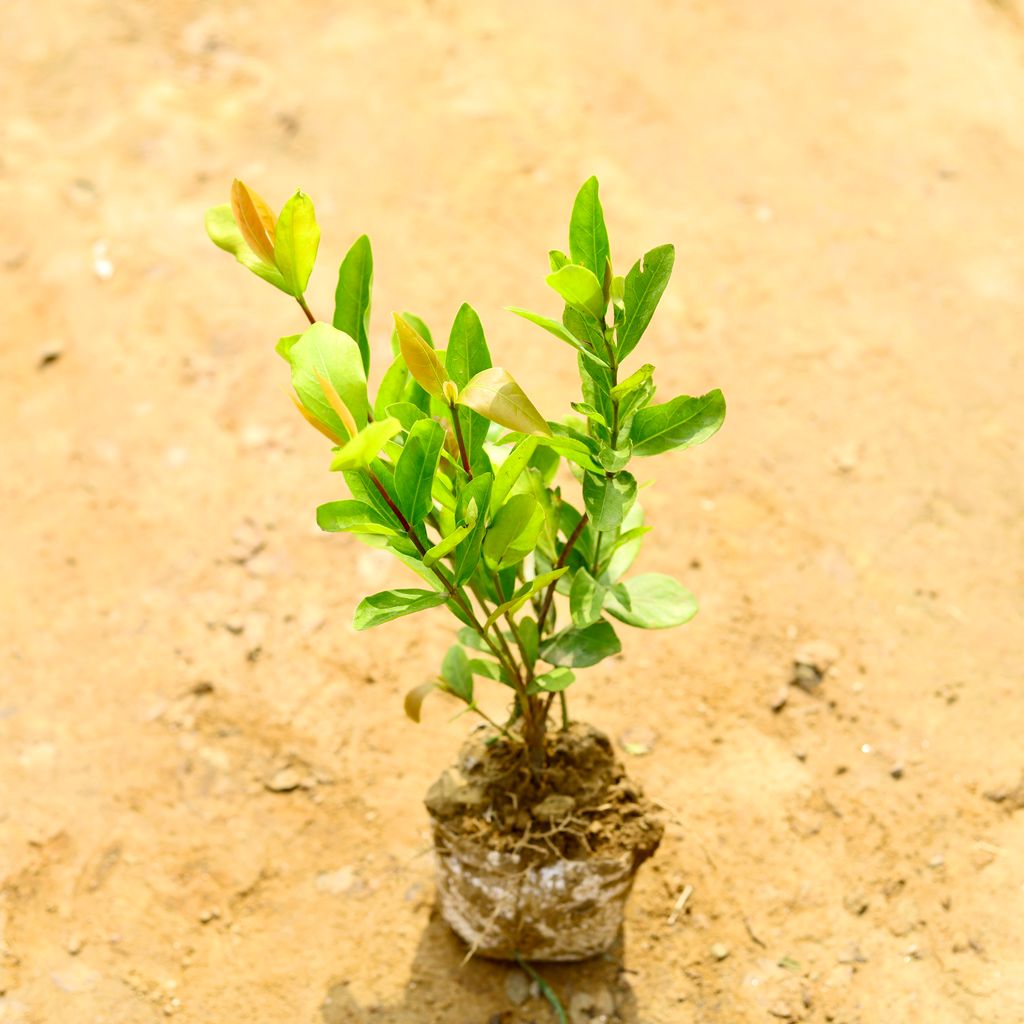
(549, 594)
(301, 300)
(459, 438)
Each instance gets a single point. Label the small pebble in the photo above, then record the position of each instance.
(50, 353)
(283, 781)
(719, 950)
(778, 702)
(517, 987)
(896, 771)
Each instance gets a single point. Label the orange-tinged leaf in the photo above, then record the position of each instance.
(314, 422)
(494, 394)
(332, 396)
(416, 696)
(254, 220)
(421, 359)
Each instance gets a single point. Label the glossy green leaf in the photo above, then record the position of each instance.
(285, 345)
(456, 673)
(495, 395)
(406, 413)
(513, 531)
(474, 496)
(353, 517)
(632, 382)
(352, 296)
(467, 355)
(681, 423)
(362, 449)
(421, 359)
(510, 470)
(560, 331)
(608, 499)
(296, 240)
(324, 352)
(644, 286)
(415, 469)
(580, 288)
(655, 601)
(529, 637)
(225, 234)
(393, 604)
(623, 552)
(523, 594)
(580, 648)
(586, 599)
(448, 543)
(557, 259)
(555, 681)
(588, 236)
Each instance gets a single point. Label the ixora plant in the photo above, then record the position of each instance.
(452, 468)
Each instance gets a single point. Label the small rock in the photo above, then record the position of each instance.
(284, 780)
(638, 741)
(937, 861)
(719, 950)
(896, 771)
(102, 265)
(554, 807)
(778, 702)
(1010, 795)
(336, 882)
(781, 1010)
(585, 1008)
(856, 903)
(811, 664)
(75, 944)
(517, 987)
(852, 955)
(49, 354)
(208, 915)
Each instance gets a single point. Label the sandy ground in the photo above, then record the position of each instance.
(843, 185)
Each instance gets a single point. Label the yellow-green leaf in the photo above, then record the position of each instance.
(225, 234)
(495, 395)
(362, 449)
(421, 359)
(296, 240)
(254, 220)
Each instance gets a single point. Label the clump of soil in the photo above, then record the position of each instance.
(580, 805)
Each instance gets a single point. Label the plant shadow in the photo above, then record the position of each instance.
(444, 988)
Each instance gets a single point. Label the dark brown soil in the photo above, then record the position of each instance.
(581, 804)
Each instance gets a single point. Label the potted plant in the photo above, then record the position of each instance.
(524, 529)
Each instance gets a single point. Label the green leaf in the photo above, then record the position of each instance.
(627, 544)
(418, 325)
(467, 355)
(681, 423)
(494, 394)
(406, 413)
(555, 681)
(225, 234)
(323, 351)
(296, 240)
(580, 289)
(529, 637)
(644, 286)
(656, 601)
(475, 494)
(448, 543)
(588, 236)
(633, 381)
(510, 470)
(352, 296)
(586, 599)
(421, 359)
(588, 410)
(415, 469)
(580, 648)
(513, 532)
(560, 331)
(608, 499)
(557, 259)
(393, 604)
(572, 448)
(362, 449)
(614, 460)
(523, 594)
(353, 517)
(456, 673)
(285, 345)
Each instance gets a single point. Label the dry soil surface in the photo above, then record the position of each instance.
(210, 799)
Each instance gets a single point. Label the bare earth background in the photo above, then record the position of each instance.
(843, 184)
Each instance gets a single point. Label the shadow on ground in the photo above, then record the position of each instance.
(444, 989)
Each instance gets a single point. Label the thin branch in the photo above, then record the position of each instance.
(549, 594)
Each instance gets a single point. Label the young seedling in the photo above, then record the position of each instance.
(453, 469)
